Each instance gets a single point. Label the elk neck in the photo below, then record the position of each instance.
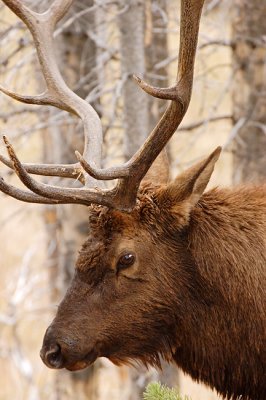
(224, 237)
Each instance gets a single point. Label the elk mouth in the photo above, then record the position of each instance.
(84, 363)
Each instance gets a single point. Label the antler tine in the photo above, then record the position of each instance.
(105, 174)
(25, 196)
(73, 171)
(58, 93)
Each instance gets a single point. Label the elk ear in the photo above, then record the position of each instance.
(190, 185)
(159, 171)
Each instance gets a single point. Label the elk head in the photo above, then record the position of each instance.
(124, 264)
(129, 292)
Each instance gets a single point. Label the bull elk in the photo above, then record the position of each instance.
(167, 270)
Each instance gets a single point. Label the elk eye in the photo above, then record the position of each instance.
(126, 260)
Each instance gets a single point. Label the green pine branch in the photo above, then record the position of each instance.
(156, 391)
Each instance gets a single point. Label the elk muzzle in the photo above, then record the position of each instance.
(60, 351)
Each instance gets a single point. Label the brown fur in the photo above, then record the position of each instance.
(196, 294)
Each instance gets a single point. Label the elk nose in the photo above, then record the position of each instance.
(52, 357)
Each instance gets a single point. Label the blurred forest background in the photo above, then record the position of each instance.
(99, 45)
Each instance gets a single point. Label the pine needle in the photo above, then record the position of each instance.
(156, 391)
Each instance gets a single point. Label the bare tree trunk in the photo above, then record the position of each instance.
(249, 91)
(156, 51)
(67, 226)
(135, 101)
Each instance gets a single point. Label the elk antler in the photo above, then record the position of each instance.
(123, 195)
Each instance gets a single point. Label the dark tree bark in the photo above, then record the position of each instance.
(249, 91)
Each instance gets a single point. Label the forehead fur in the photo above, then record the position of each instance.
(104, 221)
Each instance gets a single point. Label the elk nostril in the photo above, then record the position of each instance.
(53, 357)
